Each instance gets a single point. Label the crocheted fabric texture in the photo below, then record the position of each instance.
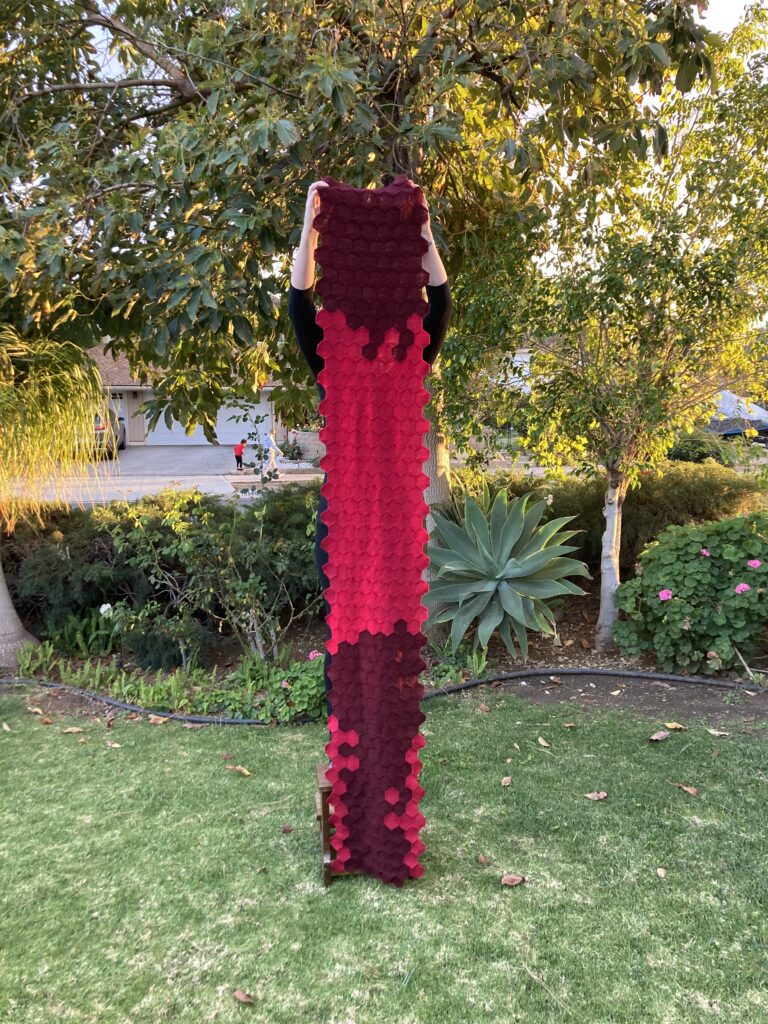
(373, 376)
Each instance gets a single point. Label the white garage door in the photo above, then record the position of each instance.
(228, 431)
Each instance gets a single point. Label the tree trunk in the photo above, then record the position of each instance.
(610, 573)
(13, 636)
(438, 491)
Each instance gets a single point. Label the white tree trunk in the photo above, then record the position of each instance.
(610, 573)
(438, 491)
(13, 636)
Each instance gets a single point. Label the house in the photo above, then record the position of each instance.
(127, 396)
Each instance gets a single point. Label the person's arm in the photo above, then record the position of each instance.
(301, 303)
(437, 319)
(438, 295)
(431, 261)
(301, 310)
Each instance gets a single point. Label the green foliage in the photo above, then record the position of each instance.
(50, 394)
(179, 568)
(36, 660)
(295, 691)
(500, 568)
(451, 666)
(255, 689)
(91, 633)
(684, 493)
(685, 607)
(291, 449)
(700, 446)
(193, 183)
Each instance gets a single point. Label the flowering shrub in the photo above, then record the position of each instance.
(700, 600)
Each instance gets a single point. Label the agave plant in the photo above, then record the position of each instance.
(501, 568)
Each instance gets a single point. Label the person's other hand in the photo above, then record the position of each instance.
(313, 202)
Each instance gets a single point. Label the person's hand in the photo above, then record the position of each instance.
(426, 227)
(313, 203)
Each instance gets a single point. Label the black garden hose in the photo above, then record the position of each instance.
(443, 691)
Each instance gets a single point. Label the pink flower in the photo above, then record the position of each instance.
(665, 595)
(711, 654)
(741, 588)
(705, 553)
(314, 654)
(754, 563)
(285, 684)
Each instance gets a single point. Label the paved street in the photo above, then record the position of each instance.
(141, 470)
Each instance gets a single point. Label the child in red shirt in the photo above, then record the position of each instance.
(239, 449)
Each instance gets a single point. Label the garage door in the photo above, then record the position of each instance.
(228, 431)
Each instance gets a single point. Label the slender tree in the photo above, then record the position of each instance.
(651, 299)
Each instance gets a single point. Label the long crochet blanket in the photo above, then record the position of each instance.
(370, 252)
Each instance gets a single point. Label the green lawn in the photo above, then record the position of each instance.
(145, 883)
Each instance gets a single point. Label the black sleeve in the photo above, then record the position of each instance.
(301, 310)
(437, 319)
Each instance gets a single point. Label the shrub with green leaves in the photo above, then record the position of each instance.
(700, 446)
(699, 600)
(500, 570)
(685, 493)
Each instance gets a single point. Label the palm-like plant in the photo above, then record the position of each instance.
(501, 568)
(50, 392)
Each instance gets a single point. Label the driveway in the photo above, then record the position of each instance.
(141, 470)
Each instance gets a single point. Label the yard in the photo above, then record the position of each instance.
(145, 882)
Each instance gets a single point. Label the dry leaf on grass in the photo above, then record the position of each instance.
(615, 693)
(242, 997)
(717, 732)
(675, 727)
(661, 872)
(506, 780)
(36, 711)
(482, 859)
(599, 795)
(73, 728)
(484, 707)
(237, 768)
(512, 880)
(686, 789)
(542, 742)
(157, 719)
(556, 680)
(6, 727)
(193, 725)
(111, 743)
(286, 828)
(46, 721)
(658, 736)
(569, 725)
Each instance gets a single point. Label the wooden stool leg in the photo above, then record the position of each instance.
(322, 809)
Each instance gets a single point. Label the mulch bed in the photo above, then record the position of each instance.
(656, 699)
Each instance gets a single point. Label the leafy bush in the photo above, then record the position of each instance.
(699, 447)
(686, 493)
(179, 568)
(500, 568)
(700, 598)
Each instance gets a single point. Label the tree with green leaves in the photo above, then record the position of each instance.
(651, 298)
(50, 394)
(155, 158)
